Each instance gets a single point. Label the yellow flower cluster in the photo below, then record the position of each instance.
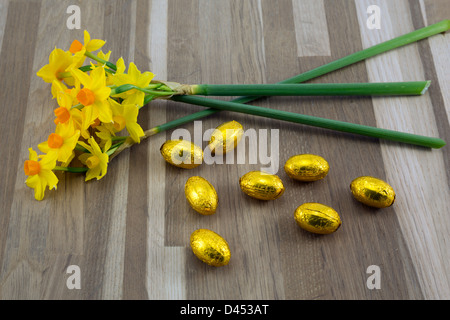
(89, 115)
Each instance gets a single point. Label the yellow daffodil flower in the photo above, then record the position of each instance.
(72, 119)
(65, 114)
(86, 121)
(40, 173)
(59, 60)
(62, 94)
(105, 132)
(94, 94)
(120, 64)
(62, 142)
(134, 77)
(79, 49)
(95, 160)
(125, 116)
(103, 56)
(66, 98)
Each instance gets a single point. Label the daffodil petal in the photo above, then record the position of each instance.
(95, 147)
(102, 93)
(90, 113)
(77, 117)
(83, 157)
(104, 56)
(133, 71)
(72, 141)
(144, 79)
(93, 173)
(135, 132)
(77, 60)
(137, 98)
(103, 170)
(32, 154)
(98, 78)
(104, 111)
(36, 183)
(49, 178)
(130, 112)
(65, 131)
(32, 181)
(120, 64)
(87, 147)
(115, 107)
(65, 152)
(48, 161)
(46, 73)
(70, 81)
(43, 147)
(120, 79)
(95, 44)
(87, 37)
(69, 160)
(82, 77)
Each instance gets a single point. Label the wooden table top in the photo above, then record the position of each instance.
(128, 233)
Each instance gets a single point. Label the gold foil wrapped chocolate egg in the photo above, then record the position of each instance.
(210, 247)
(261, 185)
(373, 192)
(306, 167)
(317, 218)
(226, 137)
(182, 153)
(201, 195)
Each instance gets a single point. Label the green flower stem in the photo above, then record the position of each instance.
(110, 151)
(148, 90)
(119, 138)
(78, 106)
(79, 147)
(71, 169)
(63, 75)
(403, 40)
(315, 121)
(89, 68)
(397, 42)
(94, 57)
(114, 148)
(313, 89)
(373, 51)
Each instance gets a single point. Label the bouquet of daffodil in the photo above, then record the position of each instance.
(88, 116)
(100, 100)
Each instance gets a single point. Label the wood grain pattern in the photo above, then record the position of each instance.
(129, 232)
(408, 116)
(311, 28)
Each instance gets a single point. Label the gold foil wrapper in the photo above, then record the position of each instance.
(201, 195)
(226, 137)
(317, 218)
(182, 154)
(373, 192)
(210, 247)
(261, 185)
(306, 167)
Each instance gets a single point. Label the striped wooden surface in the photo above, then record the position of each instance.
(129, 232)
